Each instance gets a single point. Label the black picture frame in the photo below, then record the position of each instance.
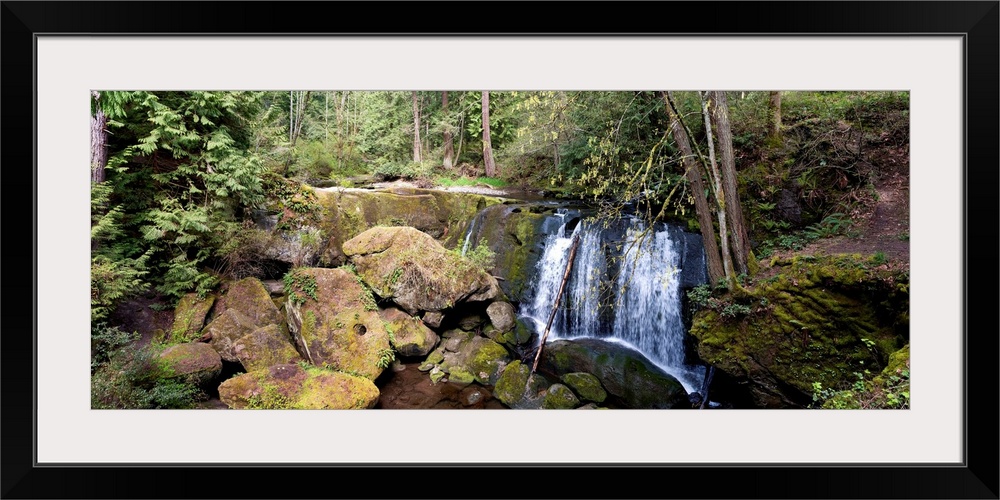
(977, 477)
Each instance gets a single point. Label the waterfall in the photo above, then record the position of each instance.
(468, 235)
(625, 287)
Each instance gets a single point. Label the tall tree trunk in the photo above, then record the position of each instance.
(774, 126)
(487, 147)
(449, 147)
(720, 201)
(727, 165)
(98, 140)
(692, 170)
(301, 101)
(416, 128)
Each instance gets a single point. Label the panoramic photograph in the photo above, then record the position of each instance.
(500, 249)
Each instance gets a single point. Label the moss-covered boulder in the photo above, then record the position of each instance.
(415, 271)
(250, 298)
(433, 319)
(264, 347)
(226, 329)
(520, 389)
(441, 214)
(410, 337)
(627, 375)
(502, 316)
(334, 321)
(817, 320)
(193, 362)
(587, 386)
(189, 317)
(559, 397)
(294, 386)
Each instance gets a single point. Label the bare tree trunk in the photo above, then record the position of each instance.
(449, 147)
(416, 128)
(734, 210)
(559, 294)
(98, 141)
(487, 147)
(774, 131)
(702, 209)
(298, 117)
(719, 194)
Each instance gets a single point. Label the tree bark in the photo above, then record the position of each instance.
(703, 210)
(449, 146)
(559, 294)
(299, 115)
(488, 162)
(774, 125)
(727, 167)
(720, 200)
(416, 128)
(98, 141)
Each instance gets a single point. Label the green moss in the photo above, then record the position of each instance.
(821, 320)
(458, 375)
(586, 385)
(560, 397)
(510, 387)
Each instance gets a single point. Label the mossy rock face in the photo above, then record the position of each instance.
(349, 212)
(560, 397)
(194, 362)
(511, 232)
(292, 386)
(411, 338)
(189, 317)
(250, 298)
(341, 327)
(264, 347)
(520, 389)
(626, 374)
(820, 320)
(586, 385)
(415, 271)
(226, 329)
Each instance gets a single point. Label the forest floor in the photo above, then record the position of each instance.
(880, 223)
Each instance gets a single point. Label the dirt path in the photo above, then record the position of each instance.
(880, 223)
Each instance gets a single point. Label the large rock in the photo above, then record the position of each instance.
(252, 300)
(819, 320)
(292, 386)
(415, 271)
(340, 327)
(625, 373)
(502, 316)
(189, 317)
(264, 347)
(226, 329)
(194, 362)
(410, 337)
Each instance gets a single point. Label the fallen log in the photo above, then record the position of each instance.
(555, 307)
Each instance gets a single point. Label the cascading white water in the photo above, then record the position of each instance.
(468, 235)
(626, 290)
